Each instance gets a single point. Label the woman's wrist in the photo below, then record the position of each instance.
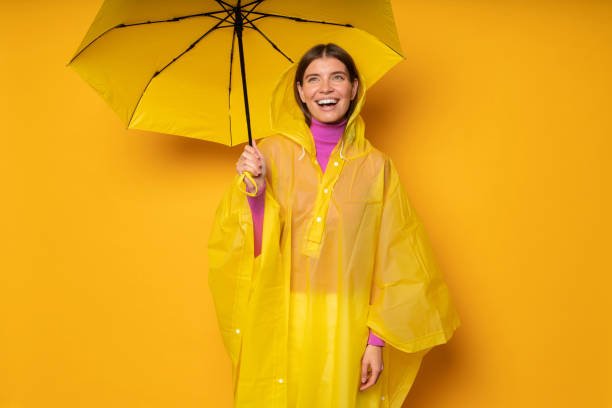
(260, 189)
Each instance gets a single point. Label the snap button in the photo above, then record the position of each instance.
(280, 380)
(237, 330)
(326, 191)
(318, 219)
(316, 162)
(335, 163)
(383, 398)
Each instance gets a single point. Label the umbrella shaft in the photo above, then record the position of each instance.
(238, 31)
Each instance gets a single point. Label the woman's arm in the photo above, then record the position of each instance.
(253, 161)
(410, 304)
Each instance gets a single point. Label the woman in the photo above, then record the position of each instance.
(326, 289)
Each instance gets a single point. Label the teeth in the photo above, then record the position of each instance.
(324, 101)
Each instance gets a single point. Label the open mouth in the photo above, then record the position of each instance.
(327, 102)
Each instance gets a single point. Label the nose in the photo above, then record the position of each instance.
(325, 85)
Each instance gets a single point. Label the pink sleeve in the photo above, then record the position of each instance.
(257, 205)
(375, 340)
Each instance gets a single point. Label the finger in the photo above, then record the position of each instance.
(254, 163)
(260, 156)
(256, 149)
(252, 169)
(250, 162)
(250, 149)
(249, 155)
(242, 165)
(364, 370)
(367, 385)
(242, 169)
(254, 160)
(372, 380)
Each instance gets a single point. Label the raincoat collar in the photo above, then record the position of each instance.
(287, 118)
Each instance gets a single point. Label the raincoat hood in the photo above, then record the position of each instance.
(287, 118)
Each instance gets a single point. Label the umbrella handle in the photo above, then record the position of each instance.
(248, 175)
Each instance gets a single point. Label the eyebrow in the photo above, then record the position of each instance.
(335, 72)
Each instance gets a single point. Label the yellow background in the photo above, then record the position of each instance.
(499, 123)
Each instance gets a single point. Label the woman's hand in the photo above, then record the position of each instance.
(253, 161)
(372, 359)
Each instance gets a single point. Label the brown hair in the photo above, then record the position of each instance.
(322, 51)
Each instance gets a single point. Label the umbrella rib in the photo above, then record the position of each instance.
(173, 19)
(267, 39)
(171, 62)
(221, 3)
(256, 2)
(227, 10)
(303, 20)
(219, 18)
(300, 19)
(258, 18)
(253, 2)
(170, 20)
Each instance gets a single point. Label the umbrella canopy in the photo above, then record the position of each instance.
(184, 67)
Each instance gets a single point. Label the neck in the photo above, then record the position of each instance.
(328, 132)
(340, 123)
(326, 137)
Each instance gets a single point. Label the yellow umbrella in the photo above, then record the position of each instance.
(181, 67)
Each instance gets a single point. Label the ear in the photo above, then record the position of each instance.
(301, 92)
(354, 90)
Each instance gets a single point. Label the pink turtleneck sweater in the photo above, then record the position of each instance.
(326, 137)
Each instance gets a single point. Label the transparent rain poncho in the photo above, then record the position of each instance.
(342, 251)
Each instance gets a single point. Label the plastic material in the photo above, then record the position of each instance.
(342, 251)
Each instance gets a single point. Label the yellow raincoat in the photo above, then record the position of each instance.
(341, 251)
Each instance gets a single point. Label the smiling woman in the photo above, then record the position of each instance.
(325, 275)
(326, 86)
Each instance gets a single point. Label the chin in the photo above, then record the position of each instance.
(330, 119)
(326, 120)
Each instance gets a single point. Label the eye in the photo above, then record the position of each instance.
(312, 79)
(339, 77)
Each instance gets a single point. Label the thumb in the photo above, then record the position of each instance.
(364, 370)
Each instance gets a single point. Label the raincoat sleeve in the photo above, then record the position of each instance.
(231, 260)
(232, 263)
(410, 305)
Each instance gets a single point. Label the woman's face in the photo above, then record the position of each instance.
(327, 90)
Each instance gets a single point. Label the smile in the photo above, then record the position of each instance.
(327, 102)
